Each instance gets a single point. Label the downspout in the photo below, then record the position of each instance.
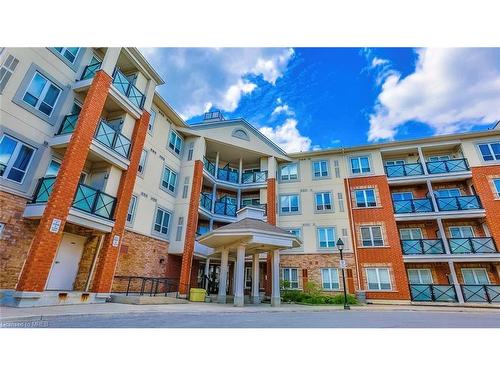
(94, 262)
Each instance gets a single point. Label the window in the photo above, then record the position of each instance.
(289, 172)
(341, 202)
(290, 277)
(178, 234)
(326, 237)
(360, 164)
(330, 278)
(378, 279)
(185, 188)
(250, 201)
(320, 168)
(69, 53)
(162, 219)
(151, 123)
(131, 209)
(365, 198)
(295, 231)
(175, 142)
(323, 201)
(289, 203)
(448, 193)
(394, 162)
(169, 179)
(42, 94)
(190, 151)
(2, 227)
(7, 70)
(475, 276)
(420, 276)
(439, 158)
(15, 158)
(410, 233)
(142, 162)
(496, 183)
(490, 151)
(372, 236)
(53, 169)
(337, 168)
(403, 196)
(461, 232)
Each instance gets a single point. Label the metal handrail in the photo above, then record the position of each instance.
(225, 208)
(460, 203)
(225, 174)
(206, 201)
(481, 293)
(169, 285)
(90, 70)
(113, 139)
(422, 246)
(447, 166)
(403, 170)
(413, 206)
(68, 124)
(209, 166)
(127, 88)
(433, 293)
(474, 245)
(253, 177)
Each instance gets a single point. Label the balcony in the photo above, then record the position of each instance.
(413, 206)
(87, 199)
(209, 166)
(90, 71)
(404, 170)
(472, 245)
(464, 202)
(481, 293)
(447, 166)
(433, 293)
(224, 174)
(228, 175)
(206, 201)
(105, 135)
(254, 177)
(422, 247)
(224, 208)
(127, 88)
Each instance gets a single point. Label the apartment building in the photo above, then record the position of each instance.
(105, 189)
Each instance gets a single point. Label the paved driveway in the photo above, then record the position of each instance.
(272, 319)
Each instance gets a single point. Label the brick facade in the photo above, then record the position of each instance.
(44, 245)
(271, 219)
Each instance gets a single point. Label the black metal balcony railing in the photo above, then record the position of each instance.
(91, 70)
(447, 166)
(413, 206)
(127, 88)
(86, 198)
(433, 293)
(465, 202)
(254, 177)
(422, 246)
(105, 134)
(227, 175)
(206, 201)
(209, 166)
(403, 170)
(140, 285)
(481, 293)
(474, 245)
(225, 208)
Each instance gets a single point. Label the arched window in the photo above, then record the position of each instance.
(240, 133)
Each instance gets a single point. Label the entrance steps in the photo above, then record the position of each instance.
(137, 299)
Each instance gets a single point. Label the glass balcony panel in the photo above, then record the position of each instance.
(206, 202)
(460, 245)
(402, 170)
(413, 205)
(105, 134)
(421, 292)
(447, 166)
(422, 246)
(69, 124)
(91, 70)
(483, 245)
(122, 145)
(121, 82)
(104, 205)
(444, 293)
(84, 198)
(493, 292)
(467, 202)
(474, 293)
(44, 189)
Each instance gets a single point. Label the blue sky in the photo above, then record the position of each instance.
(310, 98)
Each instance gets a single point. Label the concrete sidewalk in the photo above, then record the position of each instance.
(9, 314)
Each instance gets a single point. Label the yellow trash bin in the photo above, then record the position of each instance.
(197, 295)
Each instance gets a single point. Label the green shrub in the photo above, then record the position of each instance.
(338, 299)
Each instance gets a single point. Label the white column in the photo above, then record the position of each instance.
(238, 199)
(221, 298)
(433, 196)
(239, 276)
(422, 160)
(240, 175)
(207, 270)
(110, 58)
(444, 238)
(217, 165)
(275, 292)
(214, 197)
(453, 274)
(255, 279)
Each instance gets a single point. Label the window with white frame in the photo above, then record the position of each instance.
(330, 278)
(185, 188)
(439, 158)
(320, 168)
(323, 201)
(15, 158)
(378, 278)
(420, 276)
(337, 168)
(142, 162)
(161, 223)
(290, 277)
(296, 232)
(326, 237)
(365, 198)
(490, 151)
(169, 179)
(496, 184)
(394, 162)
(131, 209)
(448, 193)
(6, 71)
(151, 123)
(475, 276)
(402, 196)
(289, 172)
(289, 203)
(463, 231)
(340, 198)
(360, 164)
(371, 236)
(190, 151)
(69, 53)
(180, 223)
(42, 94)
(410, 233)
(175, 142)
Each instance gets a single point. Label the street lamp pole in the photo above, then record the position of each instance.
(340, 246)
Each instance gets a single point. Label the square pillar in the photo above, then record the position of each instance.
(239, 276)
(207, 270)
(456, 284)
(275, 292)
(255, 279)
(221, 297)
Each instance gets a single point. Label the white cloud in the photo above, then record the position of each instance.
(376, 61)
(283, 108)
(450, 90)
(287, 136)
(197, 78)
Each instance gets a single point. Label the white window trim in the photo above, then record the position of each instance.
(359, 157)
(63, 56)
(411, 234)
(134, 210)
(378, 278)
(289, 205)
(172, 131)
(496, 192)
(330, 269)
(167, 188)
(460, 227)
(151, 123)
(395, 162)
(419, 271)
(141, 173)
(42, 94)
(487, 143)
(320, 161)
(323, 204)
(372, 238)
(318, 229)
(290, 273)
(288, 179)
(365, 198)
(13, 158)
(158, 233)
(473, 270)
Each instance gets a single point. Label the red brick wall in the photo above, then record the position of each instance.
(105, 269)
(44, 244)
(191, 226)
(271, 219)
(174, 264)
(389, 256)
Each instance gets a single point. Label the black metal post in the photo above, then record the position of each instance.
(340, 245)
